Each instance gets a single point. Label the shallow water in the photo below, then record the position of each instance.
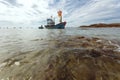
(55, 54)
(13, 41)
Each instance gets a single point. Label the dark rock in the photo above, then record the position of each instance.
(95, 53)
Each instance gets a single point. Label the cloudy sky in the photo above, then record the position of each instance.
(75, 12)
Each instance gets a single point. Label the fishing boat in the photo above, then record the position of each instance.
(51, 22)
(41, 27)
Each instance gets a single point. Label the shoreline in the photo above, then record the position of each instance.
(75, 57)
(102, 25)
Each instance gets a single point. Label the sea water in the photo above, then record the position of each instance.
(18, 41)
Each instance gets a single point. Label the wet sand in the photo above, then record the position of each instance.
(71, 58)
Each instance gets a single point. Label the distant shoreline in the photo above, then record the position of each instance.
(102, 25)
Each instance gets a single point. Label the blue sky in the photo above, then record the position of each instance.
(76, 12)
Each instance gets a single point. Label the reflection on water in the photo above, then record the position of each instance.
(15, 41)
(23, 40)
(53, 33)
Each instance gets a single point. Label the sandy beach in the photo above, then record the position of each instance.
(71, 58)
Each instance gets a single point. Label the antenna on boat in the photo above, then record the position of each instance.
(60, 15)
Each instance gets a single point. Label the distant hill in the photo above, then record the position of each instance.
(101, 25)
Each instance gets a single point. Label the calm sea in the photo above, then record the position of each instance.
(13, 41)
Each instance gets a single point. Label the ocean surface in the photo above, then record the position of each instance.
(18, 41)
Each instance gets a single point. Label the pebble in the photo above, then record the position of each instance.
(118, 61)
(99, 41)
(113, 44)
(110, 42)
(17, 63)
(118, 50)
(3, 64)
(7, 78)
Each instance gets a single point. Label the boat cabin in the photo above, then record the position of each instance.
(50, 22)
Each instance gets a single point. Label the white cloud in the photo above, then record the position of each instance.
(95, 11)
(26, 3)
(35, 12)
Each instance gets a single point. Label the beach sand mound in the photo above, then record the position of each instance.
(73, 58)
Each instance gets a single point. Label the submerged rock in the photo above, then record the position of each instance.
(75, 58)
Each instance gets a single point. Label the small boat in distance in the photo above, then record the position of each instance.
(41, 27)
(51, 22)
